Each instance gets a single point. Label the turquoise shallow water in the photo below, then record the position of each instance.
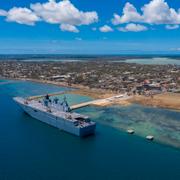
(24, 88)
(158, 61)
(33, 150)
(163, 124)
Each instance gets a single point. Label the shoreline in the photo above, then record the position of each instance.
(78, 89)
(146, 101)
(169, 101)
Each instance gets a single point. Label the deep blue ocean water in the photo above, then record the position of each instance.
(30, 149)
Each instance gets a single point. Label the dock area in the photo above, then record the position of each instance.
(102, 102)
(118, 99)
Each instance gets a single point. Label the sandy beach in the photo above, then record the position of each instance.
(165, 100)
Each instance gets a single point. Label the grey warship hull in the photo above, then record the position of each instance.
(68, 122)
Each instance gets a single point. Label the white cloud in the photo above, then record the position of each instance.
(68, 27)
(155, 12)
(116, 19)
(171, 27)
(105, 29)
(133, 28)
(159, 12)
(20, 15)
(63, 12)
(130, 14)
(3, 12)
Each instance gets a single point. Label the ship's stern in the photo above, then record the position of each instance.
(87, 130)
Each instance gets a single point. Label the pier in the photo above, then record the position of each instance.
(97, 102)
(101, 102)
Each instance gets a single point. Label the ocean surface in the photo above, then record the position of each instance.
(30, 149)
(145, 61)
(158, 61)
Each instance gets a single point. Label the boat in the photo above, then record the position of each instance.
(57, 114)
(130, 131)
(150, 138)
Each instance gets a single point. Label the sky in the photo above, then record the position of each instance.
(89, 27)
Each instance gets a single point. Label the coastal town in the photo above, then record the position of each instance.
(90, 90)
(117, 77)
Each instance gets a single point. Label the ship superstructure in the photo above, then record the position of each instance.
(57, 114)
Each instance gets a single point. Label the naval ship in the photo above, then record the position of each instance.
(57, 114)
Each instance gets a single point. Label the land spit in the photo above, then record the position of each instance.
(165, 100)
